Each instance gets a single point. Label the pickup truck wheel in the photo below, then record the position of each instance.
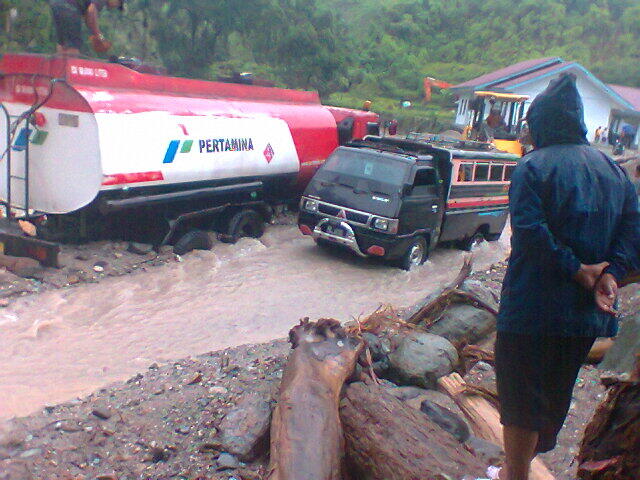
(415, 254)
(245, 223)
(472, 242)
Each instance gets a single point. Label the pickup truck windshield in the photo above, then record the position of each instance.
(367, 166)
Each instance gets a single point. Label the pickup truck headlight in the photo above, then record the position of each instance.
(311, 205)
(389, 225)
(381, 224)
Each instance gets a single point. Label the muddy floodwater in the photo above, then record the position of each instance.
(64, 343)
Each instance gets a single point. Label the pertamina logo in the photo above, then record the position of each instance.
(174, 146)
(213, 145)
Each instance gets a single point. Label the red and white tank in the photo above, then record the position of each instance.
(108, 127)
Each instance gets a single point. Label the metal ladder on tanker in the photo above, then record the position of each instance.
(16, 126)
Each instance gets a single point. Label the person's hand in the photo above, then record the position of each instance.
(606, 292)
(100, 44)
(588, 275)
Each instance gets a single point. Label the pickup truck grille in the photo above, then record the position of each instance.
(328, 209)
(357, 217)
(350, 215)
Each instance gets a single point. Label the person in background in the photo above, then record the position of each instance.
(393, 127)
(596, 138)
(574, 218)
(68, 16)
(604, 136)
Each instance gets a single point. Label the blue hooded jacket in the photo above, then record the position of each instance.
(569, 204)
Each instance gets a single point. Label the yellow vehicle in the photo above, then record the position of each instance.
(503, 124)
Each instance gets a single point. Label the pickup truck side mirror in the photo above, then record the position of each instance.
(406, 190)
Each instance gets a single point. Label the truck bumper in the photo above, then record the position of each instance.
(361, 241)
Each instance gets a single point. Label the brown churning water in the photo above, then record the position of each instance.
(64, 343)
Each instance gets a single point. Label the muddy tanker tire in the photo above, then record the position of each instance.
(415, 254)
(245, 223)
(192, 240)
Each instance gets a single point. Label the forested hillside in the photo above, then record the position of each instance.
(352, 50)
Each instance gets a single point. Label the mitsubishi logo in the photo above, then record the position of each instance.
(342, 214)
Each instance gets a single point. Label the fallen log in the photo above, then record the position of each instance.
(611, 442)
(483, 417)
(389, 440)
(306, 436)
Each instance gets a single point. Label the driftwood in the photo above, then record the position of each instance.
(483, 417)
(306, 436)
(429, 310)
(599, 350)
(611, 444)
(388, 440)
(437, 301)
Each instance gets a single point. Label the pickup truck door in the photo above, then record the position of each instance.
(423, 205)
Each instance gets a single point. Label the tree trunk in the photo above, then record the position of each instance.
(306, 436)
(388, 440)
(611, 444)
(484, 418)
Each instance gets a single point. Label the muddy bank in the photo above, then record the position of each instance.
(164, 422)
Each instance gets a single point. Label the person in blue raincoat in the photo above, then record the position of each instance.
(575, 223)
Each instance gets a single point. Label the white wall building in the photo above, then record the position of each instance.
(603, 104)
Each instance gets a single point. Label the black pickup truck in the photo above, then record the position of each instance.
(397, 199)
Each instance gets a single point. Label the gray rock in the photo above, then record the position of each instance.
(139, 248)
(421, 358)
(406, 393)
(489, 453)
(21, 266)
(621, 357)
(15, 470)
(244, 431)
(226, 461)
(463, 323)
(102, 413)
(30, 453)
(375, 347)
(447, 420)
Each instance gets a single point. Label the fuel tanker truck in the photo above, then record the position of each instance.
(92, 148)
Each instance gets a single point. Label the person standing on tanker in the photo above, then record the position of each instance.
(574, 217)
(68, 16)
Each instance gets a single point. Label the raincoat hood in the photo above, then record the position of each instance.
(556, 116)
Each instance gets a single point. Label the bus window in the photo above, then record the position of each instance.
(508, 171)
(496, 172)
(482, 172)
(465, 172)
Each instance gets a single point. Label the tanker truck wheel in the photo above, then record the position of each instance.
(192, 240)
(244, 223)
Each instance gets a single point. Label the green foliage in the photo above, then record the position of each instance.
(353, 50)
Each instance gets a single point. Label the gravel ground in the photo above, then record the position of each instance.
(163, 423)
